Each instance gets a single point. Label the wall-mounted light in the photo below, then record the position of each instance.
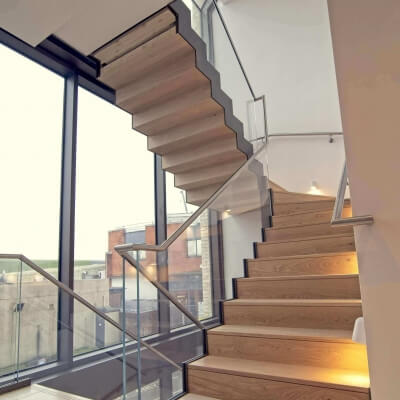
(314, 189)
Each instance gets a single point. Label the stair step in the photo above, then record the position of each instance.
(161, 83)
(237, 379)
(293, 197)
(307, 217)
(305, 206)
(312, 264)
(294, 313)
(223, 150)
(311, 245)
(136, 36)
(305, 230)
(162, 49)
(207, 176)
(191, 134)
(316, 347)
(193, 104)
(299, 287)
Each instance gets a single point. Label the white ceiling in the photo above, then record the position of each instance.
(83, 24)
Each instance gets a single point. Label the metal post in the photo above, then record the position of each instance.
(67, 219)
(162, 267)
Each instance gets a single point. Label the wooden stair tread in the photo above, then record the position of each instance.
(299, 277)
(313, 212)
(292, 257)
(325, 335)
(307, 238)
(294, 197)
(313, 376)
(277, 228)
(136, 36)
(294, 302)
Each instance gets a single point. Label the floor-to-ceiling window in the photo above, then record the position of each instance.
(114, 205)
(31, 115)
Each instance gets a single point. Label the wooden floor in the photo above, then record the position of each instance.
(287, 333)
(38, 392)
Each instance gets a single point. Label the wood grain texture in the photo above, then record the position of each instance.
(278, 332)
(300, 287)
(210, 127)
(224, 386)
(292, 197)
(318, 244)
(313, 264)
(207, 175)
(161, 83)
(223, 151)
(318, 314)
(307, 217)
(305, 230)
(176, 111)
(163, 49)
(136, 36)
(290, 350)
(307, 206)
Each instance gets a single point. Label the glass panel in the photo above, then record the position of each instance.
(31, 307)
(195, 278)
(160, 371)
(10, 306)
(114, 201)
(31, 105)
(207, 21)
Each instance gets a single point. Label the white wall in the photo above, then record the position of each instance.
(239, 233)
(285, 47)
(367, 57)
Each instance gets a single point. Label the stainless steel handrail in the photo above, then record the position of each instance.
(81, 300)
(124, 249)
(337, 219)
(303, 134)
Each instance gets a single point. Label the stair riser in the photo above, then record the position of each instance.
(302, 247)
(320, 217)
(305, 352)
(150, 124)
(328, 288)
(230, 154)
(230, 387)
(167, 142)
(341, 264)
(318, 317)
(306, 231)
(290, 197)
(290, 208)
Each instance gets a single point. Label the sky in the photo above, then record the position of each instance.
(114, 182)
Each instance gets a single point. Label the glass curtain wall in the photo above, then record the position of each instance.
(114, 205)
(31, 115)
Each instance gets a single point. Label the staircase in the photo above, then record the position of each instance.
(161, 76)
(287, 333)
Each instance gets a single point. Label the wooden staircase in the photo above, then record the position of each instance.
(287, 332)
(161, 76)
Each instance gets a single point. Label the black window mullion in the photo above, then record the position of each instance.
(67, 219)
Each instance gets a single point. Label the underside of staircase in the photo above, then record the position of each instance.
(287, 333)
(161, 76)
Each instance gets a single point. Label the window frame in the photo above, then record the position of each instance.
(79, 70)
